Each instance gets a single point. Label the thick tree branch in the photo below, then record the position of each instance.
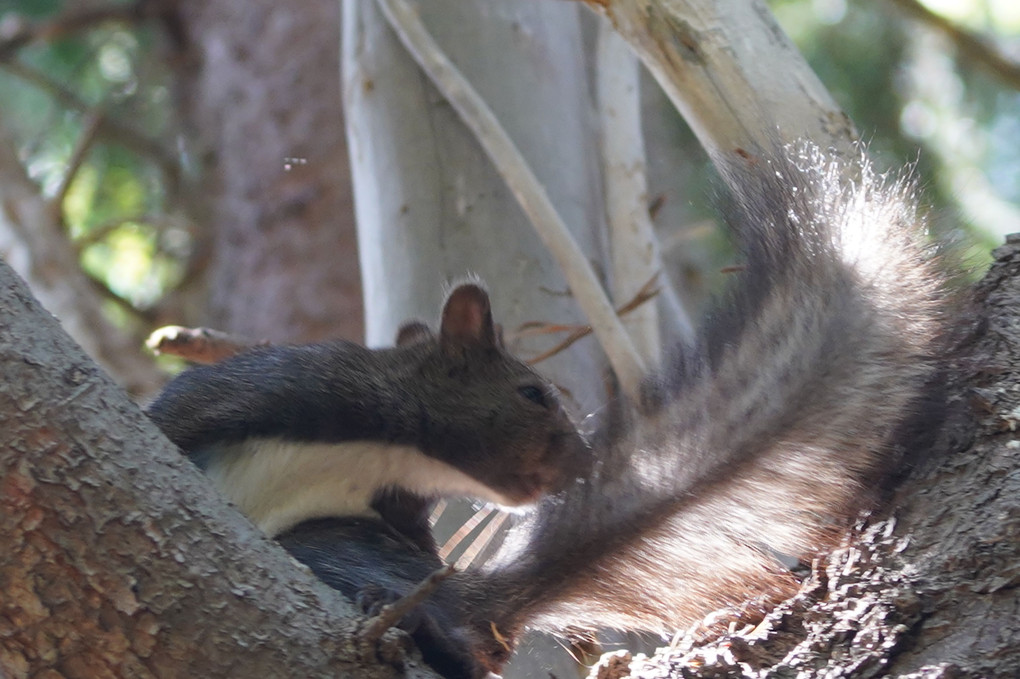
(530, 193)
(117, 558)
(732, 73)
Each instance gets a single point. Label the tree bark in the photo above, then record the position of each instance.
(430, 205)
(929, 588)
(731, 71)
(260, 98)
(117, 559)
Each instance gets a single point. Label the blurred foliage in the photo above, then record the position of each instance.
(912, 97)
(917, 100)
(115, 208)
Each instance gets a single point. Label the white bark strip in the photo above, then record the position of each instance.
(634, 247)
(732, 73)
(526, 187)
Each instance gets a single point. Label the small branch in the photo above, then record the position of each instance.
(143, 316)
(198, 345)
(970, 45)
(647, 292)
(90, 125)
(391, 614)
(110, 130)
(526, 188)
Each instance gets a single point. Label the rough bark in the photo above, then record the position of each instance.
(260, 98)
(117, 559)
(929, 589)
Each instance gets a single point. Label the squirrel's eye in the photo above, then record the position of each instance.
(534, 394)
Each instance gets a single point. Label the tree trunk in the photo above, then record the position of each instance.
(261, 101)
(430, 205)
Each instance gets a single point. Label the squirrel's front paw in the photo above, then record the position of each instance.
(442, 646)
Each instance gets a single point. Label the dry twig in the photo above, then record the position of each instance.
(390, 614)
(526, 188)
(647, 292)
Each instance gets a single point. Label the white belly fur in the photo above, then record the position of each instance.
(279, 483)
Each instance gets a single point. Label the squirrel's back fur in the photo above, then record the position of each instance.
(762, 437)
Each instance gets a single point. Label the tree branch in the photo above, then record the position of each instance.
(21, 33)
(108, 129)
(529, 192)
(970, 45)
(731, 72)
(90, 125)
(119, 554)
(391, 614)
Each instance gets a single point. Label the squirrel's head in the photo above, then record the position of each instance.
(495, 418)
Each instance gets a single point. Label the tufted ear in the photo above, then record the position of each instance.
(413, 332)
(467, 319)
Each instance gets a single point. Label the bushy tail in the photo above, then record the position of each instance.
(763, 437)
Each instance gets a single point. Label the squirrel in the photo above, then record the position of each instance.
(805, 390)
(765, 435)
(339, 451)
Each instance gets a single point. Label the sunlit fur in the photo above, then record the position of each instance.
(766, 434)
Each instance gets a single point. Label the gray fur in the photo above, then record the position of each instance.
(448, 415)
(762, 437)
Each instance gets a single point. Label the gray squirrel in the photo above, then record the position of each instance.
(290, 433)
(811, 385)
(339, 452)
(765, 435)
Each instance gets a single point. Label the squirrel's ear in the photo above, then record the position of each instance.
(413, 332)
(467, 319)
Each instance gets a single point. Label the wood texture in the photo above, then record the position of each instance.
(117, 559)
